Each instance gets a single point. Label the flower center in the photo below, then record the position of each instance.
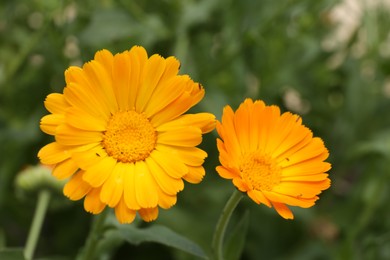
(129, 137)
(260, 170)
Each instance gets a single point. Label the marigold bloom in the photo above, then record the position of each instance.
(272, 157)
(121, 134)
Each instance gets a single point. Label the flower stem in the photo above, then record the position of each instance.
(94, 235)
(219, 234)
(35, 229)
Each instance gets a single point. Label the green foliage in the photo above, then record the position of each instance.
(162, 235)
(284, 52)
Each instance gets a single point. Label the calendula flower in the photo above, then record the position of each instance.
(121, 135)
(272, 156)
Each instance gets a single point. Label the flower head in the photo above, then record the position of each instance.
(121, 135)
(272, 156)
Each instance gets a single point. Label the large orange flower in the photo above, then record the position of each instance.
(121, 134)
(272, 157)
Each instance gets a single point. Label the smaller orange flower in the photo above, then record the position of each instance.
(272, 156)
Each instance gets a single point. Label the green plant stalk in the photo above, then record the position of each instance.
(94, 235)
(219, 234)
(36, 226)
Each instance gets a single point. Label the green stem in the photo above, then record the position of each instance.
(35, 229)
(223, 222)
(94, 235)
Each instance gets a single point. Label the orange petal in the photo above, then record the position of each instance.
(283, 210)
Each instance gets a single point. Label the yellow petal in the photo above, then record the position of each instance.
(166, 92)
(92, 202)
(174, 109)
(90, 157)
(53, 153)
(65, 169)
(76, 188)
(129, 187)
(204, 121)
(123, 213)
(88, 99)
(152, 72)
(195, 174)
(68, 135)
(148, 214)
(55, 103)
(186, 137)
(112, 188)
(81, 120)
(188, 155)
(138, 57)
(145, 186)
(101, 79)
(168, 184)
(175, 169)
(165, 201)
(121, 80)
(97, 174)
(105, 58)
(49, 123)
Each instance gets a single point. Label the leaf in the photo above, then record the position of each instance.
(379, 144)
(111, 241)
(236, 240)
(12, 253)
(162, 235)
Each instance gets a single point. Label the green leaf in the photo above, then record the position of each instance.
(12, 254)
(236, 240)
(111, 240)
(162, 235)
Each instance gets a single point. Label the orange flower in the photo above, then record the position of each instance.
(121, 134)
(272, 157)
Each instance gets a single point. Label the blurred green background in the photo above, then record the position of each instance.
(326, 60)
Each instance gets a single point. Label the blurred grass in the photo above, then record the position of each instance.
(286, 53)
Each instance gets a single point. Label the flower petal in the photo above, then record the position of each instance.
(283, 210)
(97, 174)
(123, 213)
(92, 202)
(148, 214)
(65, 169)
(76, 188)
(129, 187)
(112, 188)
(145, 186)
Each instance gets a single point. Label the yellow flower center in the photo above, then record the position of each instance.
(260, 171)
(129, 137)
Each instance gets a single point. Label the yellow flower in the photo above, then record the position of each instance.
(272, 157)
(121, 134)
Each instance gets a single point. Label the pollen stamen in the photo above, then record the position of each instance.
(260, 170)
(129, 137)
